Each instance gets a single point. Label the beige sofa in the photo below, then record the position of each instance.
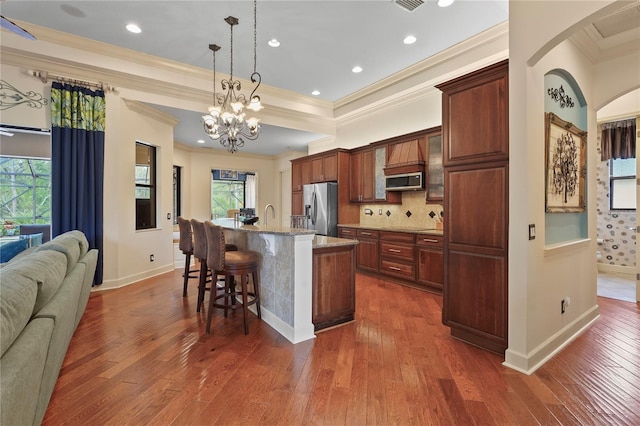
(43, 294)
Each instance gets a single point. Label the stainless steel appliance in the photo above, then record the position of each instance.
(405, 182)
(321, 207)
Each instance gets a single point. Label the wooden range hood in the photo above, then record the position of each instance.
(405, 157)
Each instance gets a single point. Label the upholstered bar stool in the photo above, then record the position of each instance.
(186, 247)
(240, 263)
(200, 253)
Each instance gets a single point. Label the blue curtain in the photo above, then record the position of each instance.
(77, 163)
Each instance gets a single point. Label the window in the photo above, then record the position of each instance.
(622, 184)
(229, 191)
(177, 170)
(25, 191)
(145, 186)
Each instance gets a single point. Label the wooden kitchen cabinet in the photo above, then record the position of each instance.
(430, 262)
(306, 172)
(333, 284)
(349, 233)
(296, 176)
(367, 252)
(300, 173)
(475, 130)
(397, 254)
(297, 198)
(367, 183)
(435, 171)
(324, 168)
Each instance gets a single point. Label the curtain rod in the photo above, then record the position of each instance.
(45, 76)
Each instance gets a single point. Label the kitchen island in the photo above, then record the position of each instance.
(290, 276)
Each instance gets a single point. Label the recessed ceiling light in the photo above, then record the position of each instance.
(356, 69)
(410, 39)
(273, 42)
(200, 141)
(315, 92)
(133, 28)
(445, 3)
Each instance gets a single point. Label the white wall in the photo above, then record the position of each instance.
(198, 164)
(540, 276)
(126, 251)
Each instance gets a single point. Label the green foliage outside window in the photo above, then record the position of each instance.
(226, 195)
(25, 192)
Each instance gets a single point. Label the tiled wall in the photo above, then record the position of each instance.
(412, 213)
(616, 229)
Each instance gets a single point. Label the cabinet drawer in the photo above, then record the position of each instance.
(429, 240)
(403, 237)
(367, 233)
(396, 268)
(347, 233)
(397, 250)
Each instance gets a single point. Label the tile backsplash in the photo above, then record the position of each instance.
(412, 213)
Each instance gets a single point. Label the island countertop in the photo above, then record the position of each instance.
(321, 241)
(228, 223)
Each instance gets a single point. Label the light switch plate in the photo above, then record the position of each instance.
(532, 231)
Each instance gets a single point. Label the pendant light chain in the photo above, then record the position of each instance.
(255, 34)
(231, 73)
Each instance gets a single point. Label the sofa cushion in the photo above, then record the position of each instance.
(67, 244)
(9, 250)
(16, 304)
(21, 374)
(82, 240)
(48, 269)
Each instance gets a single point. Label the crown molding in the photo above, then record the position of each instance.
(495, 33)
(151, 112)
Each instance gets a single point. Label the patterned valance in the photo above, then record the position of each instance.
(77, 107)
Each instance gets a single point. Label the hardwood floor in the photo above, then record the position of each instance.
(140, 356)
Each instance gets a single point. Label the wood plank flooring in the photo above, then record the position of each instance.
(140, 356)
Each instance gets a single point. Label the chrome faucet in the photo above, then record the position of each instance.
(266, 208)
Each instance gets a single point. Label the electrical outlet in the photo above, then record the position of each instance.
(151, 258)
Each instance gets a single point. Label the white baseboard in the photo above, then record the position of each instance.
(290, 333)
(132, 279)
(529, 363)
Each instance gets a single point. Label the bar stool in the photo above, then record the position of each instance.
(230, 264)
(200, 253)
(186, 247)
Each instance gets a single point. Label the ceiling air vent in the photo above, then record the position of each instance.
(409, 5)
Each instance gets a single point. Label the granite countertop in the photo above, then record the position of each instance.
(230, 223)
(321, 241)
(407, 229)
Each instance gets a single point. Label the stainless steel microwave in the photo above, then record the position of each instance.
(405, 182)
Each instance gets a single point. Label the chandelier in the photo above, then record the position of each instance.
(226, 120)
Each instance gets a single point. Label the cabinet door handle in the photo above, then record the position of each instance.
(367, 234)
(395, 250)
(429, 240)
(395, 268)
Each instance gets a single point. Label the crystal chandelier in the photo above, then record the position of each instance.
(227, 120)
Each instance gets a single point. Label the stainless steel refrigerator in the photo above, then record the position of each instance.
(321, 207)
